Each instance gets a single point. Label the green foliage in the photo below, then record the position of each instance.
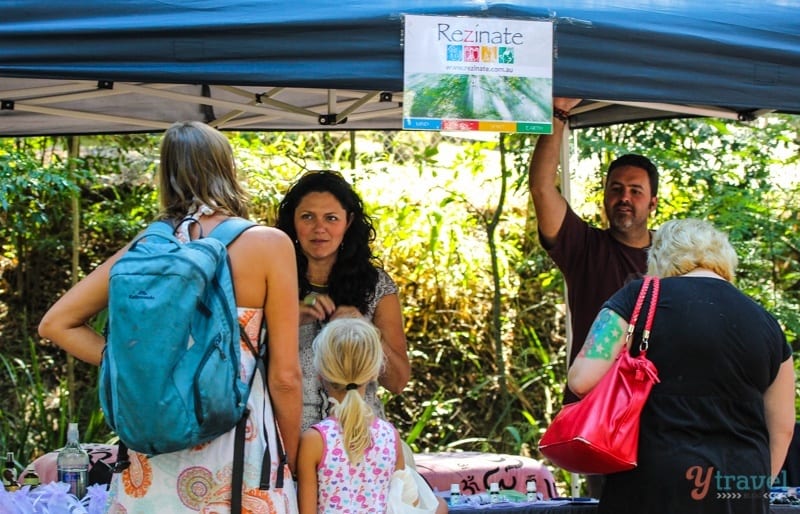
(39, 184)
(473, 97)
(24, 427)
(28, 191)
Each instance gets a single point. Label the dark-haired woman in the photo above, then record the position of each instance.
(339, 277)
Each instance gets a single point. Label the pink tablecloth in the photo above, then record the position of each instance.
(474, 471)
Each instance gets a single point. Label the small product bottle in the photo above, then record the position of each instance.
(73, 464)
(530, 487)
(31, 478)
(494, 492)
(455, 495)
(10, 473)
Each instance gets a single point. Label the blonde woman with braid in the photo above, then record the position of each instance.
(346, 461)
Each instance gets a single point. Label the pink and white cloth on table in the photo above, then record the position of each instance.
(474, 471)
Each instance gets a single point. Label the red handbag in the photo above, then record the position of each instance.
(599, 434)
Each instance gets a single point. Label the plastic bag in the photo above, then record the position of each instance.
(410, 494)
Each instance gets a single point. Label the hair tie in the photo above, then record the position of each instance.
(350, 386)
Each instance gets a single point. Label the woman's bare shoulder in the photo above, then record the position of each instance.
(261, 237)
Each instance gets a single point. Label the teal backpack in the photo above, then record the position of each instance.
(169, 377)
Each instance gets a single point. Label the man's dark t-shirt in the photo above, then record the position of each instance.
(595, 266)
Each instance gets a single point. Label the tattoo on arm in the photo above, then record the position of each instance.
(607, 330)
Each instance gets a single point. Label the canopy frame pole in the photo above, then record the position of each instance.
(566, 152)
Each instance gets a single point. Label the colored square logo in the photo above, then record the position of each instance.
(506, 55)
(472, 53)
(488, 54)
(455, 53)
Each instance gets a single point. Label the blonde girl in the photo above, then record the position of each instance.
(346, 461)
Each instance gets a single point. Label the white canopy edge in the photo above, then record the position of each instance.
(96, 107)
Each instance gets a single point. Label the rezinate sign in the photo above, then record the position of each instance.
(483, 74)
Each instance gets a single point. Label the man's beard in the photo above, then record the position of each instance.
(623, 221)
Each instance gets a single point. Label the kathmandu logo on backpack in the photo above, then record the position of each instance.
(170, 375)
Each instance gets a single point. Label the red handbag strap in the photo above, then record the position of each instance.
(651, 313)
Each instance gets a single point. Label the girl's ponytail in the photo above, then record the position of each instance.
(355, 417)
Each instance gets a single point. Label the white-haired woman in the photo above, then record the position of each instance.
(718, 425)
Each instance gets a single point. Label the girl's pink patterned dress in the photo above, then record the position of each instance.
(363, 488)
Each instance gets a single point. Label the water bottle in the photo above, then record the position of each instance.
(73, 464)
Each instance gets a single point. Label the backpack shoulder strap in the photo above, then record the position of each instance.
(159, 228)
(230, 229)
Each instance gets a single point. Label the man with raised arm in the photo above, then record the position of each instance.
(595, 262)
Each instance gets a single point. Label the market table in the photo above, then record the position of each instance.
(560, 507)
(540, 507)
(474, 471)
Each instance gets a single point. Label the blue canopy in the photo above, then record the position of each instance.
(113, 66)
